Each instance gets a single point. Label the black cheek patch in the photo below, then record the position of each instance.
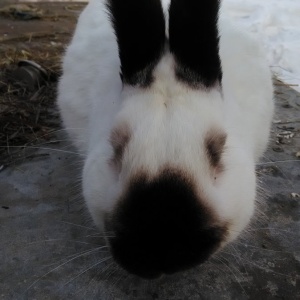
(194, 41)
(160, 226)
(140, 30)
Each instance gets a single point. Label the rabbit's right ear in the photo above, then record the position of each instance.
(194, 41)
(140, 30)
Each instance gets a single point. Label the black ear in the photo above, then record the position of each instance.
(140, 30)
(194, 41)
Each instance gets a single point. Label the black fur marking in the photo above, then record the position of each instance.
(140, 29)
(215, 143)
(119, 139)
(160, 227)
(194, 41)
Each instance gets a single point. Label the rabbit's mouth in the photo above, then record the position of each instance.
(161, 227)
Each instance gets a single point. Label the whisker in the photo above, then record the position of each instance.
(42, 148)
(73, 224)
(118, 279)
(88, 252)
(263, 249)
(271, 228)
(86, 270)
(238, 257)
(55, 240)
(107, 267)
(70, 256)
(237, 280)
(111, 272)
(278, 161)
(262, 268)
(103, 270)
(221, 257)
(100, 236)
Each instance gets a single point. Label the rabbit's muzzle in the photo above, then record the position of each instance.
(161, 226)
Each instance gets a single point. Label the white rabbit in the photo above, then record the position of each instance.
(171, 120)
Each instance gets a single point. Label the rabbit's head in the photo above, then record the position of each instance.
(170, 185)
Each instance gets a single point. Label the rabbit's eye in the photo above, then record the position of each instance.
(215, 142)
(119, 139)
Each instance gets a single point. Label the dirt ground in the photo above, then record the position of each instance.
(38, 33)
(49, 249)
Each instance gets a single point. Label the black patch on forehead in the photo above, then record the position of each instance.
(161, 226)
(194, 41)
(140, 30)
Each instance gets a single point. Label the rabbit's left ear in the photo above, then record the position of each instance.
(194, 41)
(140, 31)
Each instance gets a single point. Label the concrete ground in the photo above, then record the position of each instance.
(49, 249)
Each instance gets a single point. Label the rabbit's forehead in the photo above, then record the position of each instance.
(170, 110)
(170, 122)
(169, 106)
(177, 130)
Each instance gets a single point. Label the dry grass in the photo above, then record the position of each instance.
(27, 117)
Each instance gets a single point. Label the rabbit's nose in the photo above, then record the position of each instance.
(162, 226)
(150, 257)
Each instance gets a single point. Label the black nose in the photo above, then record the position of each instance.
(161, 226)
(149, 255)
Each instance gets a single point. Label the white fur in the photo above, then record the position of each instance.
(169, 121)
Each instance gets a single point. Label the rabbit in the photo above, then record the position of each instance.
(170, 105)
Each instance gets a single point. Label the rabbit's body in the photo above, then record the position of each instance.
(164, 144)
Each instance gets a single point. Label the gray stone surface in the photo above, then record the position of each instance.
(50, 250)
